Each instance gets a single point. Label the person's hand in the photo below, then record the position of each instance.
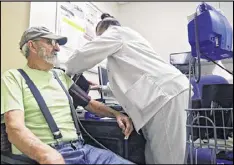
(52, 157)
(124, 123)
(95, 87)
(92, 83)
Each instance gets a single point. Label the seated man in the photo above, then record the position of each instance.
(26, 126)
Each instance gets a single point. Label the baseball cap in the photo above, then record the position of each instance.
(42, 32)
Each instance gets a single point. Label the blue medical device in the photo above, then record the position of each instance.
(214, 34)
(210, 37)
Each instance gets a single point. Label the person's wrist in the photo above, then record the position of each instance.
(42, 156)
(116, 114)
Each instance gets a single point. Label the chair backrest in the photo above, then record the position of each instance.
(205, 80)
(216, 95)
(5, 144)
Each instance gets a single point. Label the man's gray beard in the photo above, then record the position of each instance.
(49, 59)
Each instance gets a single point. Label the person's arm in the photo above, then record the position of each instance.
(84, 100)
(18, 134)
(81, 98)
(91, 83)
(95, 87)
(103, 88)
(27, 142)
(102, 110)
(94, 52)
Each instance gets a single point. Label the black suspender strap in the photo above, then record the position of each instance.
(41, 103)
(73, 111)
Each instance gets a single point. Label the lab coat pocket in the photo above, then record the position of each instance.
(145, 92)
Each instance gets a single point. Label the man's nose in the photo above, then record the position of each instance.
(56, 47)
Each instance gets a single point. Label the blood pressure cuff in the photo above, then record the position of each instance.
(79, 90)
(81, 81)
(79, 96)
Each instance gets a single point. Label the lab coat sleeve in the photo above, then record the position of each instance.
(93, 53)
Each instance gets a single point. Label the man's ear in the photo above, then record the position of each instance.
(32, 46)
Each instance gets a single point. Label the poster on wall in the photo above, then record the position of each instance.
(91, 21)
(76, 21)
(71, 23)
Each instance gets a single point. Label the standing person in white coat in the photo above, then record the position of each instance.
(151, 91)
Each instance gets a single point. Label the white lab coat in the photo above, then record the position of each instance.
(149, 89)
(141, 81)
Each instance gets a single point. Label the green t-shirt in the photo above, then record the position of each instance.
(15, 94)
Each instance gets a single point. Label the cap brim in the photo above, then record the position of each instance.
(60, 39)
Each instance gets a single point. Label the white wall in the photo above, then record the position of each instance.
(46, 18)
(227, 8)
(108, 7)
(164, 25)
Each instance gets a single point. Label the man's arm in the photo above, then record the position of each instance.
(27, 142)
(102, 88)
(82, 99)
(102, 110)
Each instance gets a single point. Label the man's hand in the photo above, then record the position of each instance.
(52, 157)
(125, 124)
